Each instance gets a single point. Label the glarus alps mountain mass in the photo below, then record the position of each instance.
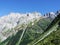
(10, 21)
(25, 24)
(29, 22)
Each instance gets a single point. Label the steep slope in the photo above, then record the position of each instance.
(52, 27)
(52, 39)
(28, 31)
(14, 20)
(32, 32)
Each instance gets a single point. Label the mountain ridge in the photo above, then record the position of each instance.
(21, 21)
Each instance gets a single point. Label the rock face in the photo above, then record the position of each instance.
(8, 22)
(13, 19)
(51, 15)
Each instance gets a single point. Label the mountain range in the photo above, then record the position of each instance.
(34, 24)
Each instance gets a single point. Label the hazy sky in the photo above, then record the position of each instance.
(22, 6)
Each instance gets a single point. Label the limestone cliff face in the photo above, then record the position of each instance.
(10, 21)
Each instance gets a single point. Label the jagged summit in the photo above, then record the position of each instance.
(13, 18)
(50, 15)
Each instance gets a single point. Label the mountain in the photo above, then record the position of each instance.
(51, 15)
(12, 20)
(24, 29)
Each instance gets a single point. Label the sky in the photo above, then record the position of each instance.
(23, 6)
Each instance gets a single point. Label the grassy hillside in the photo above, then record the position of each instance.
(52, 39)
